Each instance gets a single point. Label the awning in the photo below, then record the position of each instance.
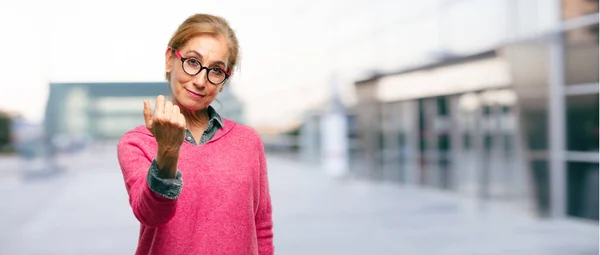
(454, 79)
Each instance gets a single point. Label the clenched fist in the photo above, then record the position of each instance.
(167, 124)
(168, 127)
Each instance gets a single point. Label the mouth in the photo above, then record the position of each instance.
(194, 94)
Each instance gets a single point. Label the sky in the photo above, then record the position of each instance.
(91, 41)
(292, 51)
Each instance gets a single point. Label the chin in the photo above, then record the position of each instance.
(194, 105)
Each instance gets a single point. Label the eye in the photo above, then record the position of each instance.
(217, 71)
(193, 62)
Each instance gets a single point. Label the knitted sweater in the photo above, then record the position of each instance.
(221, 205)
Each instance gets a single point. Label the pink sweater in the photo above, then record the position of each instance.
(224, 206)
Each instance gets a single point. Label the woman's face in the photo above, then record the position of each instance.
(196, 92)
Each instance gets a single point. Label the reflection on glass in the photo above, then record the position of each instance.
(581, 55)
(535, 122)
(540, 175)
(582, 190)
(582, 122)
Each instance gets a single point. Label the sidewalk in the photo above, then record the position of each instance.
(10, 164)
(315, 214)
(86, 212)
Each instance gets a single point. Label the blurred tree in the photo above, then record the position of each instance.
(5, 132)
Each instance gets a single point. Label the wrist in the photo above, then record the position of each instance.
(164, 174)
(167, 151)
(166, 161)
(167, 167)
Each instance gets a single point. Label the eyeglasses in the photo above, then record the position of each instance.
(193, 67)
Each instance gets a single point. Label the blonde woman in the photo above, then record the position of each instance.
(197, 182)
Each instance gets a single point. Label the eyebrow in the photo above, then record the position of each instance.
(218, 62)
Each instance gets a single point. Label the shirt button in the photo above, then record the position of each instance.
(188, 138)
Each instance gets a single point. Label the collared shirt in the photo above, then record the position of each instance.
(214, 124)
(171, 188)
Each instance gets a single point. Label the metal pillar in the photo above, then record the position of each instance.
(556, 131)
(557, 120)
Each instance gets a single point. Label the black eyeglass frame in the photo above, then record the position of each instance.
(208, 70)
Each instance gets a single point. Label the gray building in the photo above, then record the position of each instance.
(97, 110)
(82, 111)
(517, 123)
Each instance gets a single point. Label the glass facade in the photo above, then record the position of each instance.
(467, 143)
(582, 190)
(582, 122)
(532, 142)
(581, 111)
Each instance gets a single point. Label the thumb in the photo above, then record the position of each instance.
(148, 115)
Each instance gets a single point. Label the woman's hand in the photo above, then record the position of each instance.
(168, 127)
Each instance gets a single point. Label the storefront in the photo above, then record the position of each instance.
(450, 126)
(556, 81)
(518, 124)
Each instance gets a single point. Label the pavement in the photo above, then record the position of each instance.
(84, 210)
(8, 164)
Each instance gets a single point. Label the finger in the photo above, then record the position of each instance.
(175, 114)
(168, 110)
(148, 114)
(160, 105)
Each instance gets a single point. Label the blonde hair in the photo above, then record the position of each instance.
(198, 24)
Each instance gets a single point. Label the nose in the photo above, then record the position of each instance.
(200, 80)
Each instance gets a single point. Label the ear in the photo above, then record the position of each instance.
(168, 55)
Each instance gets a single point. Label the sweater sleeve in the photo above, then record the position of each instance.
(153, 200)
(263, 218)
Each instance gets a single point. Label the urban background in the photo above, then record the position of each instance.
(391, 127)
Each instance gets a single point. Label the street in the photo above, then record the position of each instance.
(85, 210)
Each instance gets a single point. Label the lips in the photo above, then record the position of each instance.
(194, 93)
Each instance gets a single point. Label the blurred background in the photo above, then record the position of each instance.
(391, 127)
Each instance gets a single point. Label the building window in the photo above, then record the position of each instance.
(582, 190)
(535, 123)
(442, 106)
(581, 55)
(582, 122)
(540, 177)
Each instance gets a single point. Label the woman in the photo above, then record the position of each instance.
(197, 183)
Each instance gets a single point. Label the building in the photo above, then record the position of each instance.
(229, 106)
(84, 111)
(514, 122)
(329, 133)
(450, 125)
(97, 110)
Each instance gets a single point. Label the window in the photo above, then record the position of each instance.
(541, 179)
(582, 190)
(535, 123)
(442, 106)
(581, 55)
(582, 122)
